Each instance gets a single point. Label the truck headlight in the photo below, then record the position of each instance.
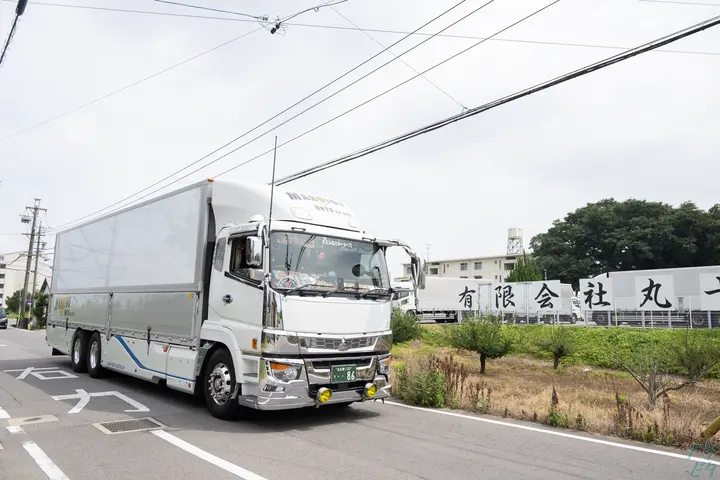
(285, 372)
(383, 367)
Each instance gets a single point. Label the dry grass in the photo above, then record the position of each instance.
(595, 400)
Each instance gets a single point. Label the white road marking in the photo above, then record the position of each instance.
(3, 414)
(208, 457)
(84, 397)
(40, 372)
(556, 433)
(15, 429)
(51, 470)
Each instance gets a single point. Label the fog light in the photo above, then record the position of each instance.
(370, 390)
(324, 395)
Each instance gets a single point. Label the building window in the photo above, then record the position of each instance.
(509, 266)
(433, 271)
(463, 277)
(3, 266)
(408, 270)
(478, 277)
(477, 265)
(463, 267)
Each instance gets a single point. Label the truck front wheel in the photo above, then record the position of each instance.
(218, 383)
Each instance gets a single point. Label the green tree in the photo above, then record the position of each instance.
(40, 304)
(13, 302)
(557, 341)
(483, 336)
(405, 327)
(630, 235)
(526, 270)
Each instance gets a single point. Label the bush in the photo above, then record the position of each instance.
(417, 383)
(404, 327)
(483, 336)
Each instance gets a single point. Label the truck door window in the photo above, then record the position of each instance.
(238, 265)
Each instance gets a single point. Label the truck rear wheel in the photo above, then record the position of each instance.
(94, 355)
(218, 383)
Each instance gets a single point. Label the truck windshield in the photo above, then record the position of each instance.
(326, 264)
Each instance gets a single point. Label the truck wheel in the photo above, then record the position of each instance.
(94, 355)
(78, 353)
(218, 384)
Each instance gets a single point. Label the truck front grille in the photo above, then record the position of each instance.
(335, 343)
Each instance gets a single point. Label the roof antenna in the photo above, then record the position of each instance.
(272, 186)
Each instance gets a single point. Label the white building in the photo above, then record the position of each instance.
(496, 267)
(12, 273)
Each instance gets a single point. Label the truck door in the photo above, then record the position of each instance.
(236, 293)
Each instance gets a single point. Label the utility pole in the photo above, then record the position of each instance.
(37, 257)
(35, 209)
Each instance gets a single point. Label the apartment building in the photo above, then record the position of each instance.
(12, 273)
(496, 267)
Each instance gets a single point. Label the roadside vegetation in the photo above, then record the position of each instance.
(657, 386)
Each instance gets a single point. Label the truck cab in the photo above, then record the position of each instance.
(307, 296)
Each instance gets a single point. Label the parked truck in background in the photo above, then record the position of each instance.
(684, 296)
(442, 298)
(201, 290)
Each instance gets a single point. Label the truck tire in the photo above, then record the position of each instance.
(94, 356)
(78, 352)
(218, 384)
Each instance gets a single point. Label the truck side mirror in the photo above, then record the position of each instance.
(418, 272)
(253, 252)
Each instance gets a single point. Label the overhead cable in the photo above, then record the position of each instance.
(277, 115)
(507, 99)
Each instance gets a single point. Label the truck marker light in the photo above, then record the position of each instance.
(324, 395)
(254, 343)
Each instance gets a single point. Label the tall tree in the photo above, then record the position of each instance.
(526, 270)
(630, 235)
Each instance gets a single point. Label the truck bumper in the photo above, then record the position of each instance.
(274, 394)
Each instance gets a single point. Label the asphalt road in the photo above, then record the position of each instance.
(47, 438)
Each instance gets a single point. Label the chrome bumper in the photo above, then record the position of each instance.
(274, 394)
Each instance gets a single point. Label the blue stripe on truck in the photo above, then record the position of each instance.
(121, 340)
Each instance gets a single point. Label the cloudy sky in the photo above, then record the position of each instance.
(645, 128)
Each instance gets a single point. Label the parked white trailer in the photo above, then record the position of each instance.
(532, 302)
(657, 297)
(442, 298)
(197, 290)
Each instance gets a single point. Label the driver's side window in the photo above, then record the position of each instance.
(238, 262)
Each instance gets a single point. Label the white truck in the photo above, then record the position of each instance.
(199, 290)
(656, 297)
(442, 298)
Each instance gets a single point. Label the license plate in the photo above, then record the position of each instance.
(343, 373)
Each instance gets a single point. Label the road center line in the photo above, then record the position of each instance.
(51, 470)
(208, 457)
(556, 433)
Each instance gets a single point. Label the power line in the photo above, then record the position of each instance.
(536, 12)
(129, 86)
(682, 3)
(19, 10)
(126, 87)
(397, 32)
(507, 99)
(403, 61)
(280, 113)
(256, 17)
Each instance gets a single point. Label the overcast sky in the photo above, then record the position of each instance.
(645, 128)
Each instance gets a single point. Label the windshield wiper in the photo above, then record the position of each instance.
(376, 291)
(314, 285)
